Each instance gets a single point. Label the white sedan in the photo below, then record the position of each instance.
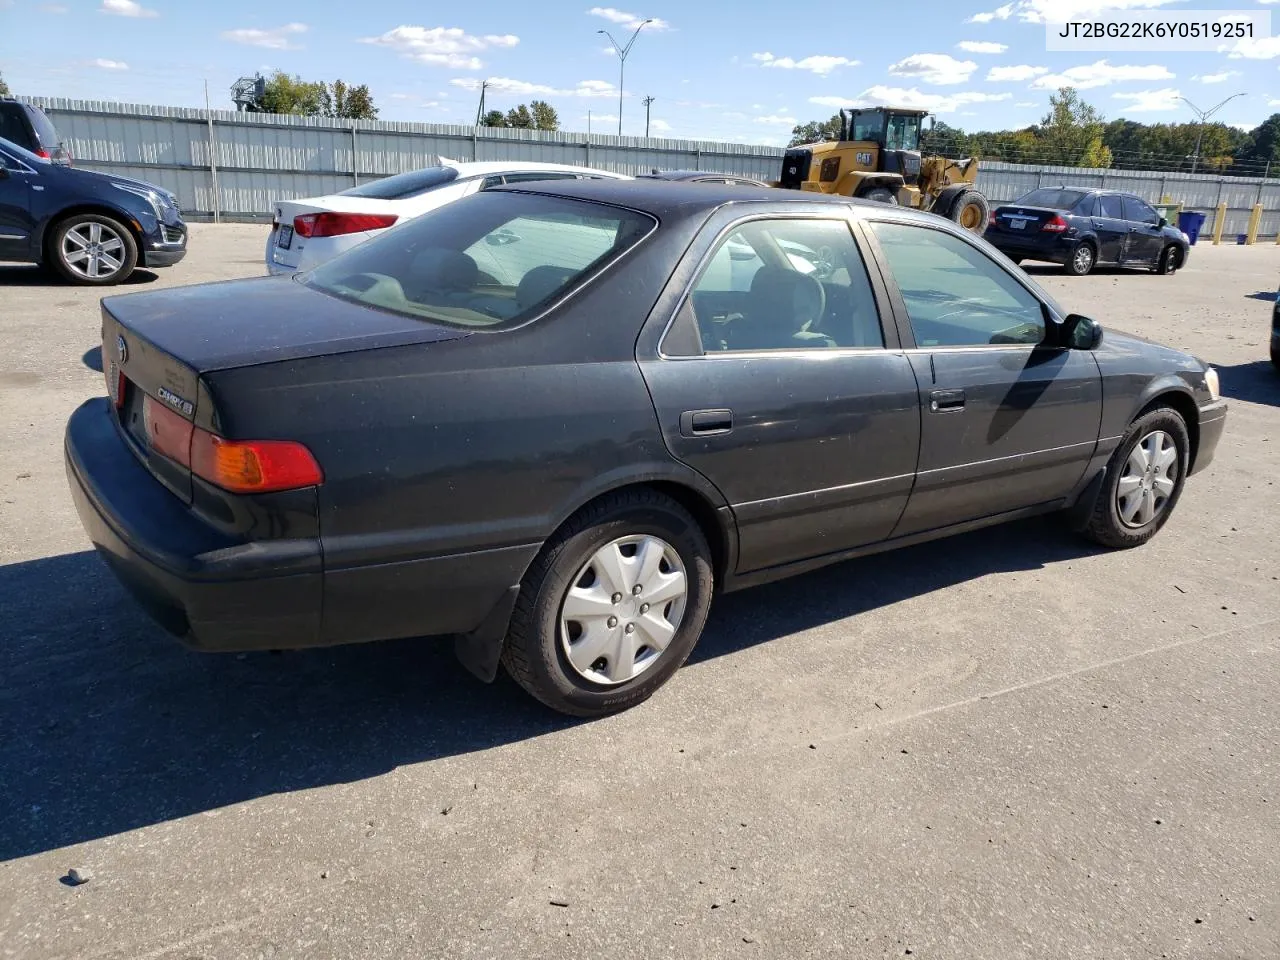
(305, 233)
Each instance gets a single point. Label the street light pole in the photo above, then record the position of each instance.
(1204, 116)
(622, 61)
(648, 102)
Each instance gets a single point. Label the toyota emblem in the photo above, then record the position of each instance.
(122, 349)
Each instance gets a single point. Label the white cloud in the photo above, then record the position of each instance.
(522, 88)
(441, 46)
(658, 126)
(1222, 77)
(53, 8)
(880, 96)
(820, 65)
(1100, 74)
(1146, 101)
(774, 119)
(999, 13)
(985, 46)
(601, 117)
(126, 8)
(277, 38)
(937, 68)
(1261, 48)
(628, 20)
(1026, 103)
(1018, 74)
(104, 64)
(609, 51)
(1064, 11)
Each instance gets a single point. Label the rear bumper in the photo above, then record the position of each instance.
(212, 592)
(1213, 419)
(1053, 248)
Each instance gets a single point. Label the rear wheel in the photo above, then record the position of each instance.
(93, 250)
(1082, 259)
(1143, 481)
(971, 211)
(881, 195)
(612, 606)
(1170, 260)
(1275, 357)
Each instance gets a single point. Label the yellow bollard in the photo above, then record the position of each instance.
(1255, 218)
(1219, 222)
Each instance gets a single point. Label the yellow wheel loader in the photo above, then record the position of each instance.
(878, 158)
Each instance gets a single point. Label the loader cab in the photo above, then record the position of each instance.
(895, 132)
(883, 140)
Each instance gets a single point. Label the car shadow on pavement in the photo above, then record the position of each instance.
(1256, 382)
(1267, 296)
(30, 275)
(93, 359)
(110, 725)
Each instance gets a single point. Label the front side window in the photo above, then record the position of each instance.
(1137, 211)
(486, 261)
(868, 125)
(955, 295)
(904, 132)
(786, 285)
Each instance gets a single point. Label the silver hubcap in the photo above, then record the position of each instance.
(623, 609)
(1084, 257)
(1150, 475)
(93, 250)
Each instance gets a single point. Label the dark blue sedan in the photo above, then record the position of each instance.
(1082, 228)
(93, 228)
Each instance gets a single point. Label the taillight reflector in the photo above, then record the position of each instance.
(1056, 225)
(240, 466)
(336, 224)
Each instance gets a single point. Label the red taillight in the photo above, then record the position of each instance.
(336, 224)
(1056, 225)
(991, 219)
(43, 154)
(240, 466)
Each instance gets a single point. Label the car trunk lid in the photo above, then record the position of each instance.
(1016, 219)
(286, 243)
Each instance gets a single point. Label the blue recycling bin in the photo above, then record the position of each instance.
(1190, 223)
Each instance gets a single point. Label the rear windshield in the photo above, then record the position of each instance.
(1055, 198)
(493, 259)
(404, 184)
(44, 128)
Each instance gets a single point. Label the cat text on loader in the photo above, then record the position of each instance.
(878, 158)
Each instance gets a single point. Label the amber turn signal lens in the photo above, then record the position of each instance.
(253, 466)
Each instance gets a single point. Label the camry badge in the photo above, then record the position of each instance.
(175, 401)
(122, 349)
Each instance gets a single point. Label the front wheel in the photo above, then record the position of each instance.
(1170, 260)
(1082, 259)
(1275, 357)
(971, 211)
(1143, 481)
(93, 250)
(612, 606)
(881, 195)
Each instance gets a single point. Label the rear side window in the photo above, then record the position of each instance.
(404, 184)
(12, 126)
(1110, 206)
(490, 260)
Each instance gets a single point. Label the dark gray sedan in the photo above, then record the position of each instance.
(552, 421)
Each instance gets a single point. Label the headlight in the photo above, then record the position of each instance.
(148, 195)
(1211, 381)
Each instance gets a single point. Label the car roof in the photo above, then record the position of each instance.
(694, 175)
(471, 168)
(668, 199)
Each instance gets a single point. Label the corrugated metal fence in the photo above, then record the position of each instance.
(260, 158)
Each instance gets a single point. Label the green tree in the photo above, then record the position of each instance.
(350, 103)
(1264, 142)
(544, 116)
(815, 131)
(494, 118)
(1071, 132)
(4, 88)
(520, 118)
(286, 94)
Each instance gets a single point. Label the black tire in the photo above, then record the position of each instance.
(1275, 357)
(1082, 259)
(972, 211)
(533, 653)
(1106, 526)
(1170, 260)
(125, 255)
(880, 195)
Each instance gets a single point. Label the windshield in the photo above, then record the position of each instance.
(493, 259)
(404, 184)
(1055, 198)
(904, 132)
(868, 125)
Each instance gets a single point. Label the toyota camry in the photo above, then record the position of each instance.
(552, 421)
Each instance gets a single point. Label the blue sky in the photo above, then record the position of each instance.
(717, 70)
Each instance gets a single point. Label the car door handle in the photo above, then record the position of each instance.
(702, 423)
(946, 401)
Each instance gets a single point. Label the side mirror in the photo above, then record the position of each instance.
(1081, 333)
(1163, 222)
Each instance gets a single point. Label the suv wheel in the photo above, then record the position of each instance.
(93, 250)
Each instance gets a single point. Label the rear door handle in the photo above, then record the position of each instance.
(946, 401)
(703, 423)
